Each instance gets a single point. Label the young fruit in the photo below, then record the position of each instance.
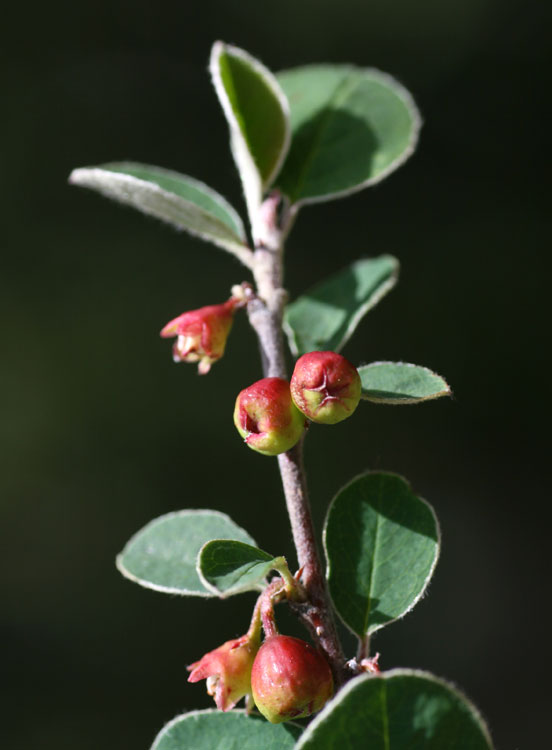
(266, 417)
(289, 679)
(325, 387)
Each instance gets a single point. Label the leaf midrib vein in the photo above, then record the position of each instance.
(341, 91)
(373, 568)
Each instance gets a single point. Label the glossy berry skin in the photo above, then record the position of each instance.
(266, 417)
(289, 679)
(325, 386)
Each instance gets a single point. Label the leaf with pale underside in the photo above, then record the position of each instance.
(234, 730)
(351, 127)
(399, 710)
(228, 567)
(257, 113)
(162, 556)
(401, 383)
(324, 317)
(382, 544)
(177, 199)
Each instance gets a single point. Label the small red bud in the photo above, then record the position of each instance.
(201, 334)
(325, 386)
(266, 417)
(289, 679)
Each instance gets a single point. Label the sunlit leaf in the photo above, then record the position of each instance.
(400, 383)
(351, 127)
(174, 198)
(162, 556)
(216, 730)
(382, 545)
(325, 317)
(398, 710)
(229, 567)
(257, 113)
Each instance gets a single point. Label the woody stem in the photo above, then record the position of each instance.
(265, 312)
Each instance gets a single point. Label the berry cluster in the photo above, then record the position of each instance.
(270, 414)
(285, 677)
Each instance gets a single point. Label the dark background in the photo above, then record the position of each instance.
(100, 431)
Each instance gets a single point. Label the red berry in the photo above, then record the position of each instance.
(289, 679)
(266, 417)
(325, 386)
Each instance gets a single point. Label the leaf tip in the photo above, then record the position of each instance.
(216, 51)
(119, 564)
(76, 176)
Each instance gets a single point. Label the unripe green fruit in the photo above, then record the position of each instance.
(266, 417)
(325, 386)
(289, 679)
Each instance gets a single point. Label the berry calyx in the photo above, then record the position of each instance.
(325, 386)
(266, 417)
(289, 679)
(227, 670)
(201, 334)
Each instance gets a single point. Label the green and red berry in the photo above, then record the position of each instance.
(289, 679)
(266, 417)
(325, 386)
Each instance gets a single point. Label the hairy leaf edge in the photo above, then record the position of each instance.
(378, 295)
(239, 147)
(365, 308)
(156, 587)
(417, 122)
(235, 244)
(423, 590)
(230, 592)
(201, 712)
(447, 391)
(398, 672)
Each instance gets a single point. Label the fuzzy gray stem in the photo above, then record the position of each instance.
(316, 613)
(265, 315)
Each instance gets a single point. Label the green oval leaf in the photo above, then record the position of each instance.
(382, 545)
(257, 113)
(172, 197)
(401, 383)
(229, 567)
(325, 317)
(398, 710)
(215, 730)
(162, 556)
(350, 128)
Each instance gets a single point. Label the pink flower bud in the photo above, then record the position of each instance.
(227, 670)
(266, 417)
(325, 386)
(289, 679)
(201, 334)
